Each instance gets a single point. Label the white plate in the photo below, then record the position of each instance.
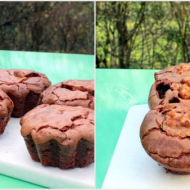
(16, 162)
(131, 167)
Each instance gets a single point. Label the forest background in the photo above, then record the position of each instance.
(65, 27)
(142, 35)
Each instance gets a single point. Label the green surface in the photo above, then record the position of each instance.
(116, 91)
(57, 67)
(12, 183)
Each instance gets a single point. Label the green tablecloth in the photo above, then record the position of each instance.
(57, 67)
(116, 91)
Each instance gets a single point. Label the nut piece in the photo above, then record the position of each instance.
(175, 86)
(186, 80)
(185, 91)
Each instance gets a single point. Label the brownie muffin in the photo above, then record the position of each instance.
(6, 107)
(70, 93)
(172, 86)
(60, 136)
(23, 87)
(165, 133)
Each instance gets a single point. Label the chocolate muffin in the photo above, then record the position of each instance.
(23, 87)
(172, 86)
(70, 93)
(6, 107)
(60, 136)
(165, 133)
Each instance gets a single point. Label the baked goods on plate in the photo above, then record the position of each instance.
(24, 88)
(60, 136)
(165, 133)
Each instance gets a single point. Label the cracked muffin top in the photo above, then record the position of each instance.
(172, 86)
(165, 133)
(20, 82)
(174, 73)
(65, 124)
(71, 93)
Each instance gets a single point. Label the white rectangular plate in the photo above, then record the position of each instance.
(16, 162)
(131, 167)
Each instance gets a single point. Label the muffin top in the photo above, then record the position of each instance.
(174, 73)
(172, 86)
(71, 93)
(20, 82)
(6, 104)
(165, 131)
(65, 124)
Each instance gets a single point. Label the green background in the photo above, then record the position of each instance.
(116, 91)
(58, 67)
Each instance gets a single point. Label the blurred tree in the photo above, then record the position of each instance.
(47, 26)
(142, 34)
(181, 13)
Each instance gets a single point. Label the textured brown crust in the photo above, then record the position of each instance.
(23, 87)
(3, 123)
(85, 153)
(165, 133)
(52, 153)
(60, 136)
(172, 86)
(23, 105)
(6, 107)
(70, 93)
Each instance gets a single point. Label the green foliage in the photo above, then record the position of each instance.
(142, 35)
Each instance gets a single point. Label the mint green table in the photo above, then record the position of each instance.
(116, 91)
(57, 67)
